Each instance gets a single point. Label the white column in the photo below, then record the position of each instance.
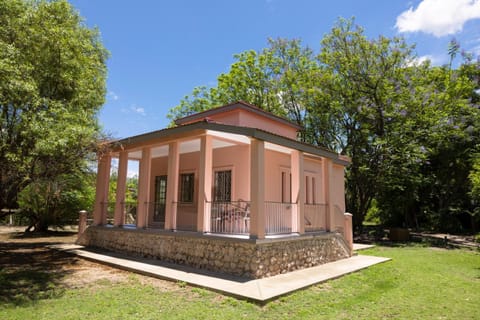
(257, 189)
(204, 184)
(101, 194)
(144, 188)
(298, 191)
(172, 187)
(119, 218)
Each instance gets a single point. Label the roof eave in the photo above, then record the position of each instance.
(245, 131)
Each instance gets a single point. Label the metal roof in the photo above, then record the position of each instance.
(197, 128)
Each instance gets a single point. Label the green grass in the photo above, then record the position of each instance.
(419, 283)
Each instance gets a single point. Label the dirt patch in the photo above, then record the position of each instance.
(29, 270)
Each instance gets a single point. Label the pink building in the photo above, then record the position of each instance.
(229, 190)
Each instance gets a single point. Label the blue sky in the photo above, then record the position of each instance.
(160, 50)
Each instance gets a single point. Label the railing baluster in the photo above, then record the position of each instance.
(230, 217)
(278, 217)
(315, 215)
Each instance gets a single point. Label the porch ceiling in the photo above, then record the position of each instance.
(184, 147)
(233, 134)
(220, 140)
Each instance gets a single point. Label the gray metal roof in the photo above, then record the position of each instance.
(245, 131)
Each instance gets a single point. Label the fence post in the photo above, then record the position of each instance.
(347, 231)
(82, 222)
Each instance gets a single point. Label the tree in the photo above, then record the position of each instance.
(52, 84)
(344, 98)
(409, 128)
(453, 141)
(368, 81)
(474, 177)
(56, 201)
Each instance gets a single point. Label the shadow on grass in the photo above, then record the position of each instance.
(419, 243)
(47, 234)
(30, 272)
(379, 235)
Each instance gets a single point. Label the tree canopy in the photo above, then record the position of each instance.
(410, 128)
(52, 85)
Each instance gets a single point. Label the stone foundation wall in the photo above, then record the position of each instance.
(240, 257)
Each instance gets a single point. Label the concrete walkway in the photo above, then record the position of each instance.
(361, 246)
(258, 290)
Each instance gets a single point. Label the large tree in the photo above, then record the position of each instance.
(367, 86)
(397, 119)
(344, 97)
(52, 85)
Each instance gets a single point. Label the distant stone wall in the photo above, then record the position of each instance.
(240, 257)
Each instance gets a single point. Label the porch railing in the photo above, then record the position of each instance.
(315, 217)
(129, 210)
(231, 217)
(278, 217)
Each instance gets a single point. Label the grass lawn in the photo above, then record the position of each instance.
(419, 283)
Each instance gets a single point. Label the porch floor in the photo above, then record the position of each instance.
(259, 290)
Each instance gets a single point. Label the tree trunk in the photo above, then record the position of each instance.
(41, 226)
(37, 225)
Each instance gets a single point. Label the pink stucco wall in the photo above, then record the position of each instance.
(186, 213)
(313, 168)
(252, 120)
(236, 158)
(276, 162)
(232, 118)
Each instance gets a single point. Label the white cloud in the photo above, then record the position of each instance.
(438, 17)
(132, 173)
(434, 60)
(424, 58)
(138, 110)
(112, 95)
(419, 60)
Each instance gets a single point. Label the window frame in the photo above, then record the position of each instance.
(191, 187)
(232, 182)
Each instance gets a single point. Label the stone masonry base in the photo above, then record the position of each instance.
(248, 258)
